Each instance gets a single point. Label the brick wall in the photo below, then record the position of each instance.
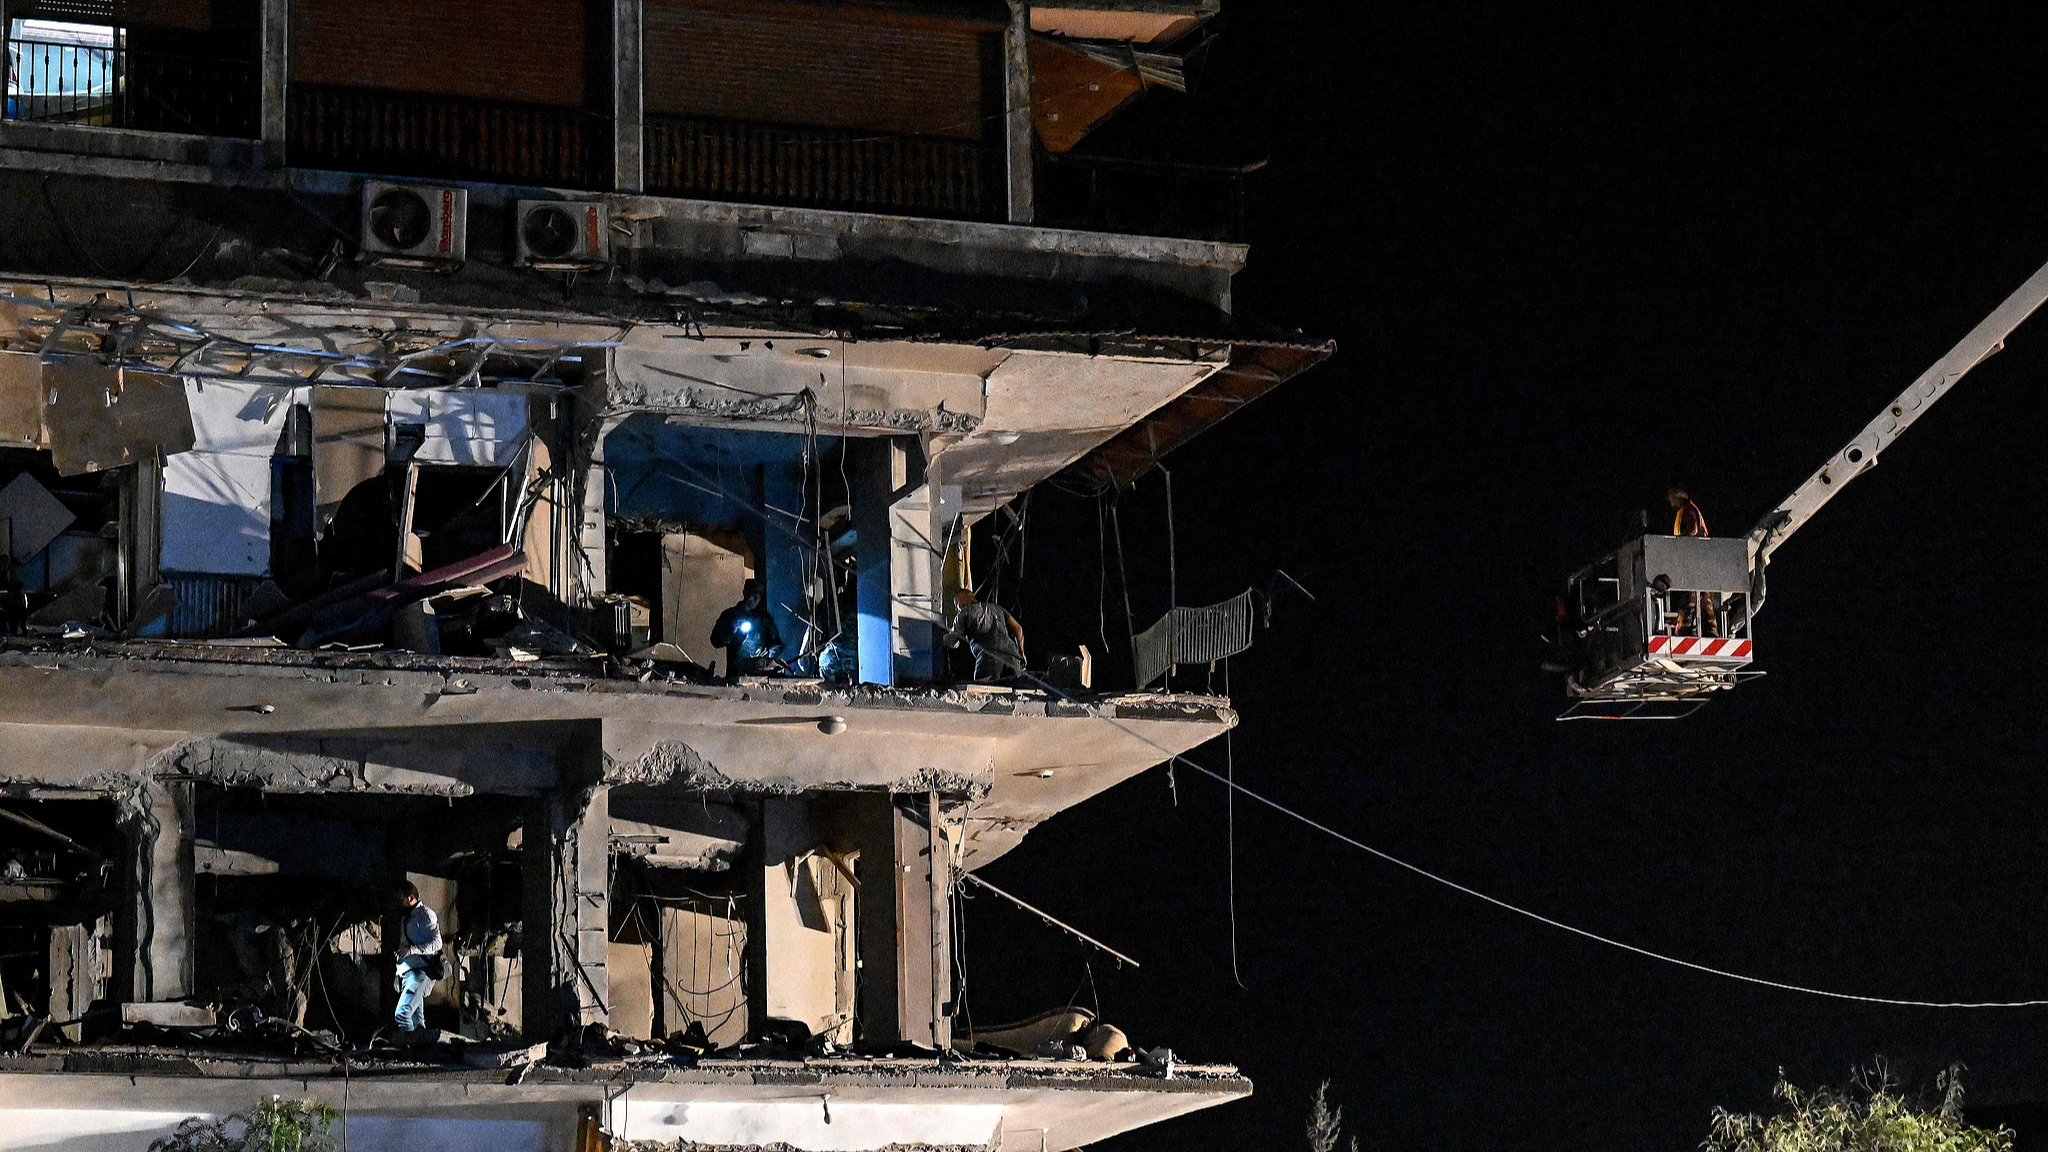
(838, 66)
(531, 51)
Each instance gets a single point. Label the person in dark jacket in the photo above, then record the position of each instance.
(748, 634)
(992, 634)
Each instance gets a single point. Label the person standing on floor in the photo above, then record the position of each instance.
(748, 634)
(419, 961)
(1696, 611)
(1686, 517)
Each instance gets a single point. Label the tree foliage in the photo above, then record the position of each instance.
(1326, 1124)
(1867, 1116)
(274, 1125)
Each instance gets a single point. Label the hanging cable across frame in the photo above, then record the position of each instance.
(1707, 969)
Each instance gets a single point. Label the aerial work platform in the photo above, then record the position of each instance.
(1662, 620)
(1655, 628)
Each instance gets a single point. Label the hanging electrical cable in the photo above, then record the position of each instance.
(1102, 573)
(1229, 782)
(1123, 574)
(1172, 546)
(1230, 828)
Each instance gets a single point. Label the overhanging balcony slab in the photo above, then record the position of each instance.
(104, 717)
(871, 1104)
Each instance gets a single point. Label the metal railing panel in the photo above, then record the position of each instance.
(112, 86)
(446, 137)
(820, 168)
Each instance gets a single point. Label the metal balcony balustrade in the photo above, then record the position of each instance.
(822, 168)
(115, 86)
(447, 137)
(430, 136)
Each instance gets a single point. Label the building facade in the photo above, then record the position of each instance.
(394, 397)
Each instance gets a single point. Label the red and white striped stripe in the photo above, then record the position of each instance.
(1701, 647)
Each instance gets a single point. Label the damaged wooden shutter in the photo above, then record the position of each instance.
(532, 52)
(98, 417)
(21, 399)
(348, 442)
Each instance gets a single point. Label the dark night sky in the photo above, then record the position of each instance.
(1567, 255)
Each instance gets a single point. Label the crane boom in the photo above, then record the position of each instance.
(1860, 453)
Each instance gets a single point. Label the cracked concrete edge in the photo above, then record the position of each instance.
(675, 764)
(233, 764)
(634, 395)
(230, 763)
(115, 784)
(975, 788)
(318, 768)
(433, 680)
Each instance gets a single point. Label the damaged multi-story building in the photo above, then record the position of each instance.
(392, 397)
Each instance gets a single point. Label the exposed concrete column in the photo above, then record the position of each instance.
(916, 564)
(565, 920)
(1018, 157)
(142, 519)
(928, 896)
(905, 936)
(158, 936)
(776, 970)
(628, 104)
(74, 973)
(277, 21)
(874, 466)
(895, 514)
(588, 504)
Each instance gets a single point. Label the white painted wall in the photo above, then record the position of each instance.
(96, 1130)
(217, 496)
(804, 1124)
(82, 1130)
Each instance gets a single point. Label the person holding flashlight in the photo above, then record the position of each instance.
(748, 634)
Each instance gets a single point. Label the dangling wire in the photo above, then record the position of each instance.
(1172, 560)
(1088, 982)
(1517, 909)
(1172, 546)
(1023, 545)
(1020, 521)
(1230, 829)
(1123, 575)
(957, 903)
(821, 587)
(1102, 573)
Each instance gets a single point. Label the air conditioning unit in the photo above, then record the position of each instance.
(415, 225)
(564, 235)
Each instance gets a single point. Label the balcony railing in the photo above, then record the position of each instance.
(820, 168)
(458, 138)
(447, 137)
(110, 86)
(1141, 197)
